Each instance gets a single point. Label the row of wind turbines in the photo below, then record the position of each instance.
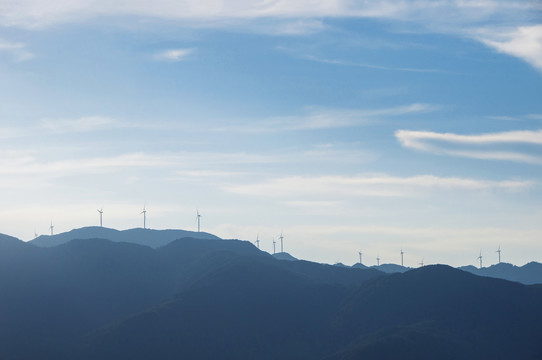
(281, 237)
(144, 213)
(421, 263)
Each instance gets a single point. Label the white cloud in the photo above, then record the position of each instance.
(17, 50)
(367, 65)
(299, 17)
(443, 143)
(296, 27)
(415, 138)
(173, 55)
(524, 42)
(83, 124)
(365, 185)
(322, 118)
(37, 13)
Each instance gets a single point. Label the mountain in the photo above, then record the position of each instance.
(226, 299)
(251, 310)
(530, 273)
(391, 268)
(148, 237)
(359, 266)
(284, 256)
(441, 312)
(53, 296)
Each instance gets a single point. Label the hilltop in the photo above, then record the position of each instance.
(148, 237)
(213, 298)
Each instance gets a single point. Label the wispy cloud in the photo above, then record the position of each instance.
(173, 55)
(416, 138)
(298, 17)
(296, 187)
(367, 65)
(83, 124)
(439, 143)
(523, 42)
(322, 118)
(17, 50)
(35, 13)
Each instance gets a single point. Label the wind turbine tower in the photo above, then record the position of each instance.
(198, 218)
(51, 227)
(274, 243)
(377, 260)
(499, 252)
(144, 212)
(421, 264)
(281, 242)
(480, 258)
(360, 253)
(402, 253)
(101, 211)
(258, 241)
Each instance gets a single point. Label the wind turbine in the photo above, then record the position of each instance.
(258, 240)
(402, 253)
(198, 217)
(421, 264)
(377, 260)
(144, 212)
(274, 242)
(35, 233)
(499, 252)
(480, 258)
(360, 253)
(51, 227)
(101, 211)
(281, 242)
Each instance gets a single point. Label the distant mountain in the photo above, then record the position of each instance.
(7, 241)
(438, 312)
(359, 266)
(530, 273)
(147, 237)
(226, 299)
(284, 256)
(52, 296)
(251, 310)
(391, 268)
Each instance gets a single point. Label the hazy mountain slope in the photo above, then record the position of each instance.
(147, 237)
(51, 296)
(284, 256)
(247, 310)
(254, 310)
(391, 268)
(530, 273)
(440, 310)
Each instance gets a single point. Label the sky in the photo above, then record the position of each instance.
(348, 126)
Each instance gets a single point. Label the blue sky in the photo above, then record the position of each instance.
(373, 126)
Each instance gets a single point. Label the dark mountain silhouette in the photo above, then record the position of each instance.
(530, 273)
(226, 299)
(391, 268)
(284, 256)
(441, 312)
(359, 266)
(252, 310)
(148, 237)
(52, 296)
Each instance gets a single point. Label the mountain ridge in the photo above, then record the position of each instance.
(149, 237)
